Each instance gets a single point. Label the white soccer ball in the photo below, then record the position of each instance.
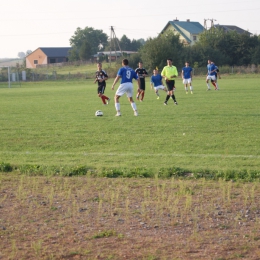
(99, 113)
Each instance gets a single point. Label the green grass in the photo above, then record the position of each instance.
(52, 124)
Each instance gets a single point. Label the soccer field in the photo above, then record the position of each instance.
(54, 124)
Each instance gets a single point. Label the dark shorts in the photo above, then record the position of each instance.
(101, 89)
(170, 85)
(142, 84)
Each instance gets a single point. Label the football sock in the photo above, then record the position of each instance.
(208, 86)
(157, 93)
(142, 95)
(173, 97)
(167, 98)
(186, 89)
(191, 88)
(117, 106)
(133, 105)
(103, 99)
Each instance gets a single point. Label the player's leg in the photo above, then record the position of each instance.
(168, 83)
(207, 81)
(120, 92)
(100, 94)
(129, 93)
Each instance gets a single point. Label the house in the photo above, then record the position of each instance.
(47, 55)
(230, 28)
(188, 31)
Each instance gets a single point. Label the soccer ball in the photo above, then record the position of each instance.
(99, 113)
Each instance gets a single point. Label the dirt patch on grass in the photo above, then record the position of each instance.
(95, 218)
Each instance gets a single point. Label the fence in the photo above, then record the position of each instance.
(52, 74)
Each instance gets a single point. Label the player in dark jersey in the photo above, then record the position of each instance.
(101, 77)
(142, 73)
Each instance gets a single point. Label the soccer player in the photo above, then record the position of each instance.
(101, 77)
(186, 75)
(142, 73)
(126, 74)
(156, 82)
(217, 75)
(211, 74)
(170, 72)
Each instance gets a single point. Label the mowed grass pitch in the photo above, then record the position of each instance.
(53, 124)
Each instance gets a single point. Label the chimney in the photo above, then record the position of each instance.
(176, 19)
(188, 20)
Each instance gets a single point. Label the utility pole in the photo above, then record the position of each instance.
(113, 39)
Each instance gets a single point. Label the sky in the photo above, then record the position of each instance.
(30, 24)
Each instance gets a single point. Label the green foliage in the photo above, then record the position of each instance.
(156, 51)
(106, 233)
(226, 48)
(86, 38)
(5, 167)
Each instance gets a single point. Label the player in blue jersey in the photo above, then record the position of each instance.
(156, 82)
(211, 74)
(217, 75)
(186, 75)
(127, 75)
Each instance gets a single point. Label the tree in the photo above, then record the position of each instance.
(21, 55)
(88, 36)
(156, 51)
(85, 51)
(125, 43)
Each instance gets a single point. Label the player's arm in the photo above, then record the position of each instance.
(138, 82)
(115, 81)
(182, 74)
(163, 74)
(175, 73)
(218, 74)
(151, 83)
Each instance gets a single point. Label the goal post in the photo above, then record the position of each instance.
(9, 76)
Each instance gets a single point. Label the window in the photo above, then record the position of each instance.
(194, 38)
(35, 62)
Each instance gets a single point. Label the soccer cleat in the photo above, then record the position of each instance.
(158, 97)
(141, 100)
(165, 103)
(208, 89)
(108, 101)
(135, 113)
(118, 114)
(175, 102)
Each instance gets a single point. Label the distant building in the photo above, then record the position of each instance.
(230, 28)
(187, 30)
(47, 55)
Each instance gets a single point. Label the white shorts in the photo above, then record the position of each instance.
(186, 81)
(159, 87)
(125, 88)
(211, 77)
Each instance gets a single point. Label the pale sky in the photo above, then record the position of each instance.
(29, 24)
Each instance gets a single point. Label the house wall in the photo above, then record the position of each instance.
(38, 56)
(171, 28)
(186, 33)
